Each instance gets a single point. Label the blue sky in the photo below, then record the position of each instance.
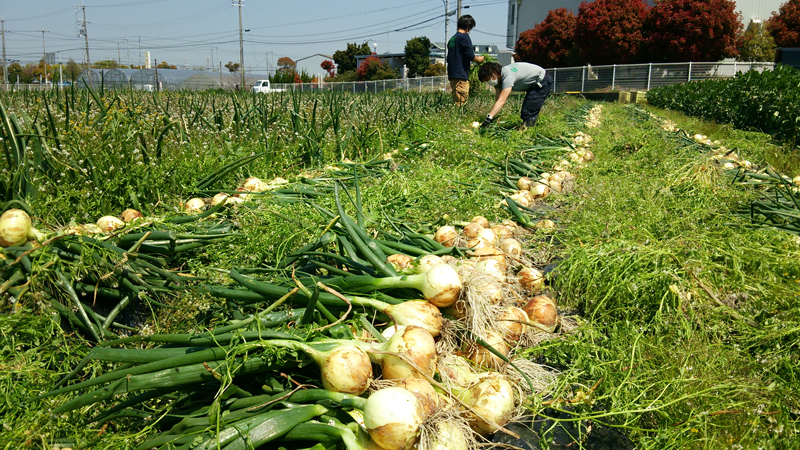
(192, 31)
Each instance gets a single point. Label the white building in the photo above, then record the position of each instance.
(525, 14)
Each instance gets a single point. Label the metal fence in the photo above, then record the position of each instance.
(422, 84)
(619, 77)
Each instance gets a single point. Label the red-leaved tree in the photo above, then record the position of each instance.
(784, 26)
(691, 30)
(610, 31)
(550, 43)
(329, 67)
(372, 68)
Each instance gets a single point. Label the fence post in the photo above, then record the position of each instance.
(690, 72)
(583, 78)
(555, 73)
(613, 77)
(734, 67)
(649, 74)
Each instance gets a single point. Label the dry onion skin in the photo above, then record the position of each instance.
(195, 205)
(485, 358)
(472, 230)
(347, 370)
(426, 395)
(15, 226)
(399, 261)
(531, 279)
(416, 344)
(524, 184)
(511, 248)
(509, 323)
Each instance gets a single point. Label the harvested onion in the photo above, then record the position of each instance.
(524, 184)
(472, 230)
(195, 205)
(129, 215)
(446, 236)
(541, 309)
(531, 279)
(508, 323)
(392, 417)
(485, 358)
(480, 220)
(109, 223)
(15, 226)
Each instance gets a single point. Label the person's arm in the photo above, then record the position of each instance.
(478, 59)
(501, 96)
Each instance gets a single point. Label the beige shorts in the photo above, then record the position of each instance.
(460, 91)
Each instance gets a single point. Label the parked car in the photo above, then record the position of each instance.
(64, 83)
(263, 87)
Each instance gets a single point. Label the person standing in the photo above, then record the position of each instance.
(518, 76)
(459, 56)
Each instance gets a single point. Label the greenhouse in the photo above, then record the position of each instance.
(163, 79)
(109, 78)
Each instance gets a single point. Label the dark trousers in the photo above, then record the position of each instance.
(534, 99)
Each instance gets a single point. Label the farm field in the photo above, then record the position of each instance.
(677, 282)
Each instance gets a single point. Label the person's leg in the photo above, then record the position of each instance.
(460, 90)
(532, 105)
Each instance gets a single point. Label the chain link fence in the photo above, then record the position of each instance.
(620, 77)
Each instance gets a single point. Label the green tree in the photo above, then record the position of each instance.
(757, 44)
(105, 64)
(15, 71)
(71, 70)
(232, 67)
(286, 64)
(350, 75)
(418, 55)
(435, 70)
(346, 59)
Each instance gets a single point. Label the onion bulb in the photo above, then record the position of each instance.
(531, 279)
(484, 358)
(129, 215)
(449, 436)
(15, 226)
(796, 180)
(540, 191)
(476, 243)
(195, 205)
(427, 262)
(488, 236)
(508, 323)
(426, 396)
(391, 330)
(446, 236)
(109, 223)
(545, 225)
(488, 289)
(84, 230)
(418, 313)
(392, 417)
(511, 247)
(480, 220)
(472, 230)
(588, 156)
(254, 184)
(347, 370)
(414, 343)
(524, 184)
(542, 310)
(556, 185)
(502, 232)
(399, 261)
(494, 253)
(524, 198)
(493, 398)
(491, 268)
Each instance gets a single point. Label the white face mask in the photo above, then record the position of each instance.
(492, 82)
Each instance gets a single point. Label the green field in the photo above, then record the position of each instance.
(680, 312)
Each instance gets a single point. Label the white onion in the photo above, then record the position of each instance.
(796, 180)
(254, 184)
(427, 262)
(391, 330)
(480, 220)
(531, 279)
(109, 223)
(472, 230)
(449, 436)
(15, 226)
(492, 268)
(219, 198)
(488, 288)
(493, 398)
(484, 358)
(524, 184)
(442, 285)
(129, 215)
(556, 185)
(392, 417)
(540, 191)
(426, 395)
(417, 345)
(446, 236)
(195, 205)
(488, 236)
(524, 198)
(347, 370)
(511, 247)
(588, 156)
(84, 230)
(476, 243)
(489, 253)
(418, 313)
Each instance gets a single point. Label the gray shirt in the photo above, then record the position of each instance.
(521, 76)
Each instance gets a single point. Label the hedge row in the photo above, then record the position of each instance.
(768, 102)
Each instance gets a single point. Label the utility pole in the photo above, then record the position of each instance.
(128, 52)
(446, 30)
(212, 59)
(241, 44)
(119, 55)
(458, 14)
(83, 33)
(44, 56)
(140, 52)
(5, 70)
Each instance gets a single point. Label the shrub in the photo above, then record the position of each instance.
(785, 25)
(550, 43)
(610, 31)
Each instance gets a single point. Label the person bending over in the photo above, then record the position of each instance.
(518, 76)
